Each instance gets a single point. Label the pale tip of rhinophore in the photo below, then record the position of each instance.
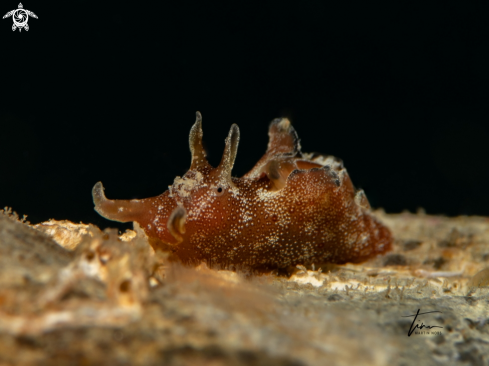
(234, 131)
(198, 117)
(196, 130)
(231, 145)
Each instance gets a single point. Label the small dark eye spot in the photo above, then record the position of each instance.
(219, 190)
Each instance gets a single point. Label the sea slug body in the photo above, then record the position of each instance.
(291, 208)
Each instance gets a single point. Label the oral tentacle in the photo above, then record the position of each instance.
(117, 210)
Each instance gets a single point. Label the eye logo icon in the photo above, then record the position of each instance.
(20, 17)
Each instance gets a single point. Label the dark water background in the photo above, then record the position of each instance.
(108, 91)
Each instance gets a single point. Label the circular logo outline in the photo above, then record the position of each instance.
(20, 24)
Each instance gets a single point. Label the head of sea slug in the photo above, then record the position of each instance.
(189, 197)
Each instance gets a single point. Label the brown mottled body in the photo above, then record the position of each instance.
(289, 209)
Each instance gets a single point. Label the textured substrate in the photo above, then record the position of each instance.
(71, 294)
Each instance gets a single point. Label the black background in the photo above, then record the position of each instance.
(108, 91)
